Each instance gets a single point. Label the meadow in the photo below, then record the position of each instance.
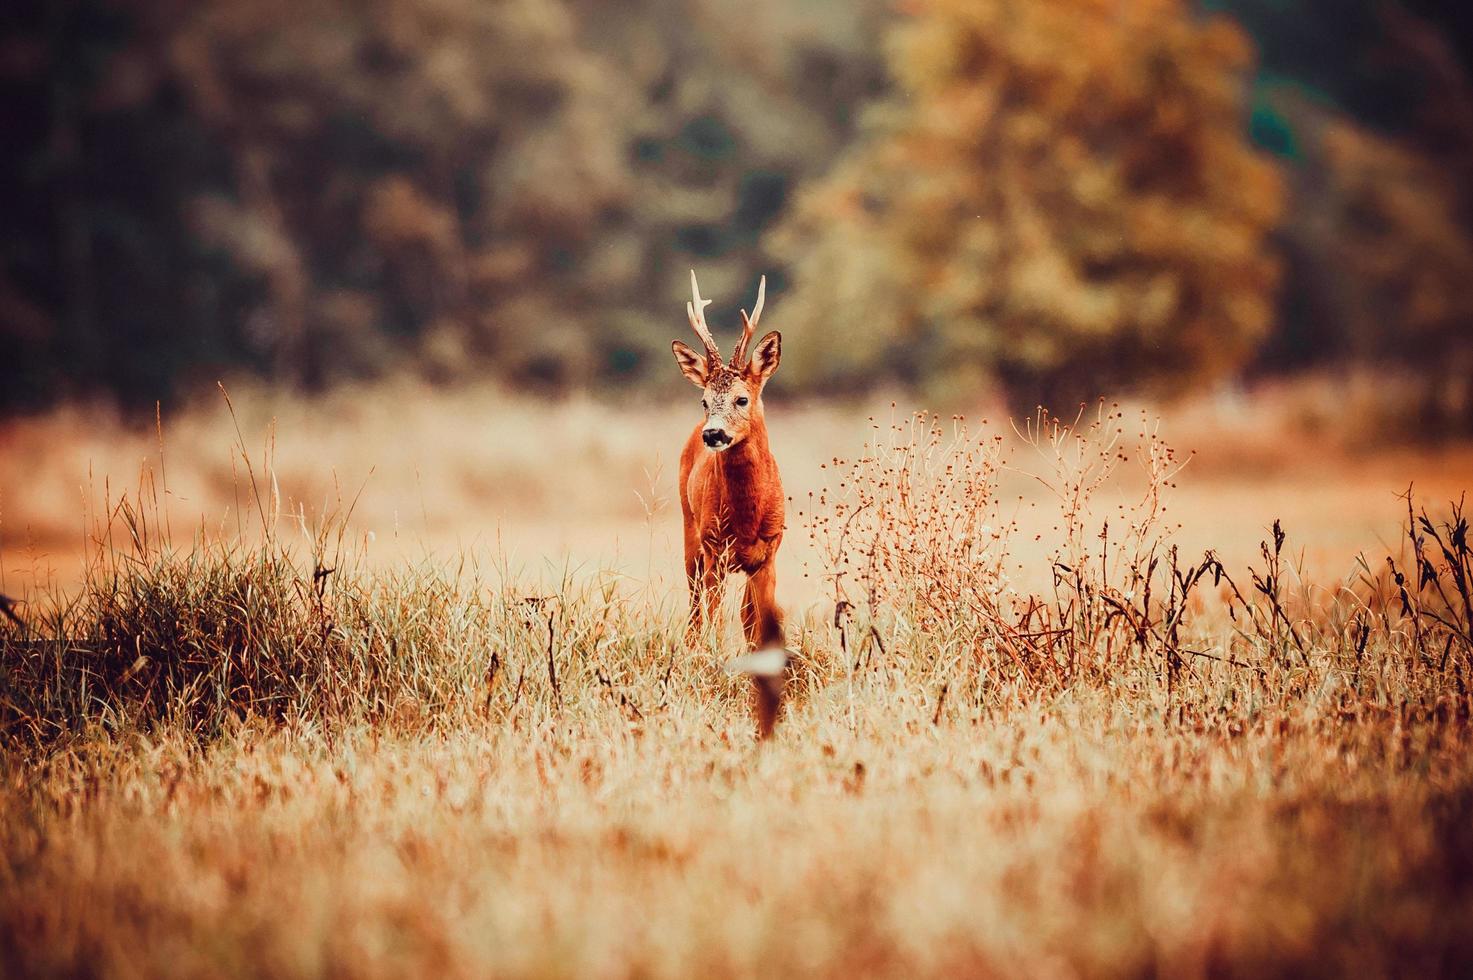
(396, 682)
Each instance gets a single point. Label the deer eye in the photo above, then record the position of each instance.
(704, 406)
(742, 402)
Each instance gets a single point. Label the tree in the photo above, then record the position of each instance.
(313, 189)
(1059, 197)
(1375, 123)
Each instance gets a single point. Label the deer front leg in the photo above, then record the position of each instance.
(761, 619)
(704, 575)
(694, 574)
(712, 575)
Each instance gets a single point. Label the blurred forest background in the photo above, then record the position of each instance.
(1054, 199)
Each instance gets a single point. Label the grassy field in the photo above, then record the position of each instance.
(1032, 726)
(442, 474)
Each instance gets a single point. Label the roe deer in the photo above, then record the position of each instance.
(731, 497)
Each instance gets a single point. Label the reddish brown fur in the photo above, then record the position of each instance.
(732, 500)
(732, 503)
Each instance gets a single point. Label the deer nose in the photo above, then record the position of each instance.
(715, 437)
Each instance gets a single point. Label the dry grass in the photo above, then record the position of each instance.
(437, 473)
(1024, 736)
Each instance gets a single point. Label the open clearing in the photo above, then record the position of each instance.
(480, 744)
(477, 472)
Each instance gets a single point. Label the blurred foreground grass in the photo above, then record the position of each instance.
(1024, 741)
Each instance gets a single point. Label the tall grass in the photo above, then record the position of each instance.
(915, 538)
(260, 755)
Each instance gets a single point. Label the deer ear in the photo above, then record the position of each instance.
(692, 365)
(765, 356)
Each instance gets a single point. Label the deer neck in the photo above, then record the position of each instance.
(748, 459)
(746, 476)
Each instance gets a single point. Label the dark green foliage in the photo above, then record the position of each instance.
(315, 191)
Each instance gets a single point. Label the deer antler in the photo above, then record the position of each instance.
(696, 311)
(749, 325)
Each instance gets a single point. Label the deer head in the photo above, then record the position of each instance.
(731, 393)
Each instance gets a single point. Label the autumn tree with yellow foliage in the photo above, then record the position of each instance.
(1059, 197)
